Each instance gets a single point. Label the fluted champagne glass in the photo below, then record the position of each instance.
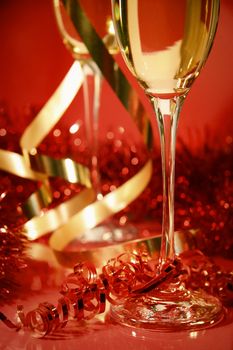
(108, 231)
(165, 44)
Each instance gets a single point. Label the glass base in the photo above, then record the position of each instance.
(173, 310)
(108, 233)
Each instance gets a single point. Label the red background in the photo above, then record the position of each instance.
(33, 61)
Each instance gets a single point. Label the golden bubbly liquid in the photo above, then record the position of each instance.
(165, 42)
(98, 13)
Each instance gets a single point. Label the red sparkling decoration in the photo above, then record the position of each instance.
(12, 261)
(19, 274)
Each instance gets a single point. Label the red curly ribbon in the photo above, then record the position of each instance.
(6, 321)
(84, 292)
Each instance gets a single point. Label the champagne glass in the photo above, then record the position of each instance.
(165, 44)
(100, 15)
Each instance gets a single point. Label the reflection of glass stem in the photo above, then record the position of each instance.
(167, 112)
(92, 120)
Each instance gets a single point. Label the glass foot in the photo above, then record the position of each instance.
(109, 233)
(172, 310)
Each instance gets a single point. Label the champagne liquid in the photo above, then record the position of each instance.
(99, 14)
(164, 42)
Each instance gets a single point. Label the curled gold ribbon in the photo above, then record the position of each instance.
(65, 168)
(52, 219)
(94, 214)
(15, 164)
(37, 130)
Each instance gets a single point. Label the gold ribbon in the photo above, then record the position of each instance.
(68, 220)
(15, 164)
(97, 212)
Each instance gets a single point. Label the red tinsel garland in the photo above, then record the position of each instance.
(12, 261)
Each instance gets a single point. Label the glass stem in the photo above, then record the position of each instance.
(86, 100)
(92, 121)
(167, 113)
(98, 79)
